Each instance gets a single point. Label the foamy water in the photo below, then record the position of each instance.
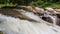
(53, 19)
(11, 25)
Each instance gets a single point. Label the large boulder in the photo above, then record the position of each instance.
(28, 8)
(57, 10)
(51, 10)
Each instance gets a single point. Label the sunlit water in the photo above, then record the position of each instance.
(11, 25)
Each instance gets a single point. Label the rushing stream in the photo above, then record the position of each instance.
(12, 25)
(52, 16)
(53, 19)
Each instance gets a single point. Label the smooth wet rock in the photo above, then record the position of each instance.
(57, 10)
(51, 10)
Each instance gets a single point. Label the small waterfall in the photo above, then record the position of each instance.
(52, 16)
(11, 25)
(53, 19)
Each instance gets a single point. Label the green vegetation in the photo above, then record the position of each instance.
(38, 3)
(7, 4)
(46, 3)
(1, 32)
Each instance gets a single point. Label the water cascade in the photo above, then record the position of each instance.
(53, 17)
(12, 25)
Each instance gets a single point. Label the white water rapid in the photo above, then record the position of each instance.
(53, 17)
(11, 25)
